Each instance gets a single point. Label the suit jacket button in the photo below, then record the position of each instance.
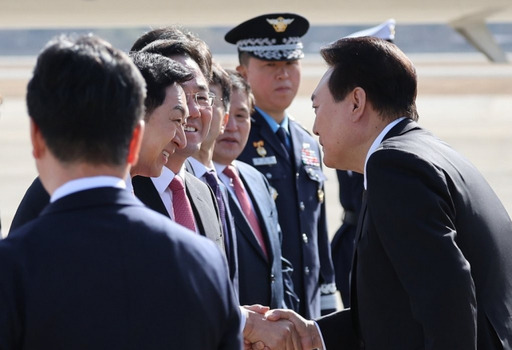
(305, 238)
(297, 175)
(306, 270)
(272, 278)
(302, 206)
(268, 175)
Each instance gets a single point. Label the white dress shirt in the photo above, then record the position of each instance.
(86, 183)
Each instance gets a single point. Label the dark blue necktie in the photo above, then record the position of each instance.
(212, 181)
(283, 137)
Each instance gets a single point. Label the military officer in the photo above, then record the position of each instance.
(270, 49)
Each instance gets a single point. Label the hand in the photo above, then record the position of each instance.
(309, 334)
(259, 333)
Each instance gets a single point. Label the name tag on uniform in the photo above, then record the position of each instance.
(264, 161)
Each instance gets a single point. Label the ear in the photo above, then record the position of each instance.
(37, 140)
(358, 101)
(135, 143)
(242, 70)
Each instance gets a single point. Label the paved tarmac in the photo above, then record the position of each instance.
(463, 99)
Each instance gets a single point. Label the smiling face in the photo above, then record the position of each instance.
(231, 143)
(163, 133)
(199, 118)
(273, 83)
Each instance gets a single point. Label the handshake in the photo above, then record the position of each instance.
(267, 329)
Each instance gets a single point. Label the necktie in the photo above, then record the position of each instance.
(183, 213)
(283, 137)
(211, 179)
(245, 204)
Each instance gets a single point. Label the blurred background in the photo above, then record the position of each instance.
(463, 97)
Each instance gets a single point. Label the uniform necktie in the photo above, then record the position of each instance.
(183, 213)
(283, 137)
(245, 204)
(212, 181)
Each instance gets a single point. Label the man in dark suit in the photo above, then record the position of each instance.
(97, 269)
(432, 266)
(270, 50)
(351, 195)
(155, 192)
(163, 133)
(265, 277)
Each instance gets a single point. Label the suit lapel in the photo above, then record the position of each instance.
(145, 190)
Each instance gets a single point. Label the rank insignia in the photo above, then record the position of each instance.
(262, 152)
(280, 23)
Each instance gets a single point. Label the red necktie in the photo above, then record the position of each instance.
(243, 199)
(183, 213)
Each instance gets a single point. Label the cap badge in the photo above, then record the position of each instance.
(280, 24)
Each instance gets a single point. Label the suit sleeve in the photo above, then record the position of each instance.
(411, 206)
(338, 331)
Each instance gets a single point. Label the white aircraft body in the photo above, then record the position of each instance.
(468, 17)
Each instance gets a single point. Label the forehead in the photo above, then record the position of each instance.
(323, 86)
(198, 82)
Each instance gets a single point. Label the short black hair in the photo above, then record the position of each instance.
(87, 98)
(380, 68)
(176, 40)
(221, 78)
(238, 83)
(159, 72)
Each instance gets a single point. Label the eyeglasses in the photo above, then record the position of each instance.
(202, 98)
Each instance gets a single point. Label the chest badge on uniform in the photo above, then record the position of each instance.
(309, 156)
(262, 152)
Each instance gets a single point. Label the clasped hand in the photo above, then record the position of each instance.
(279, 329)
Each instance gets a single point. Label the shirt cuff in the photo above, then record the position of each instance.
(243, 319)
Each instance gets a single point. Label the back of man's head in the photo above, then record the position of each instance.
(385, 73)
(159, 72)
(86, 97)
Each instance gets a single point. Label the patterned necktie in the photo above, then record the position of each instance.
(183, 213)
(212, 181)
(245, 204)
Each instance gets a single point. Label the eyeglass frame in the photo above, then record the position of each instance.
(211, 97)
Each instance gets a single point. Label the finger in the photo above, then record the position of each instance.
(274, 315)
(259, 346)
(257, 308)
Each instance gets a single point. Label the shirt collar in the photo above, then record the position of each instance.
(378, 141)
(272, 123)
(199, 168)
(162, 182)
(86, 183)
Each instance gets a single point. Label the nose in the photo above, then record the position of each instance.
(315, 130)
(282, 72)
(194, 110)
(231, 125)
(180, 139)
